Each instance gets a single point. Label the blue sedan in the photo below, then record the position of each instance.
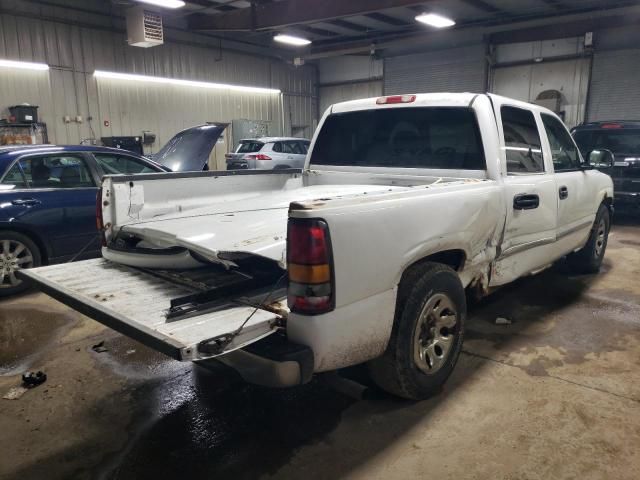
(48, 203)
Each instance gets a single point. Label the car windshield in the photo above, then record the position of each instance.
(618, 141)
(249, 147)
(420, 137)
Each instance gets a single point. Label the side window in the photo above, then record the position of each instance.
(14, 178)
(305, 147)
(277, 147)
(113, 164)
(563, 151)
(296, 148)
(57, 171)
(522, 141)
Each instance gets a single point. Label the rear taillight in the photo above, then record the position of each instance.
(259, 156)
(310, 267)
(99, 224)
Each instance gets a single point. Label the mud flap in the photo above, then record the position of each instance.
(136, 304)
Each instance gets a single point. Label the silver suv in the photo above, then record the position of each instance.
(268, 153)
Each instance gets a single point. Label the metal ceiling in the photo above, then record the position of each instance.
(334, 23)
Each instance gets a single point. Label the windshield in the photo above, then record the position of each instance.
(420, 137)
(618, 141)
(249, 147)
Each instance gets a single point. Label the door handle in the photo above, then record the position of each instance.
(526, 201)
(26, 202)
(563, 192)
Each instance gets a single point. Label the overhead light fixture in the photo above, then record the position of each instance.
(183, 83)
(164, 3)
(291, 40)
(24, 65)
(435, 20)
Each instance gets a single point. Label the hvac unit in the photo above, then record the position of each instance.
(144, 28)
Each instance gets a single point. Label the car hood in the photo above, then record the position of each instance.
(190, 149)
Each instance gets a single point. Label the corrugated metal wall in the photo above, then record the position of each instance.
(331, 94)
(461, 69)
(615, 86)
(69, 88)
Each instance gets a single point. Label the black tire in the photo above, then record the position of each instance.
(29, 249)
(399, 371)
(589, 258)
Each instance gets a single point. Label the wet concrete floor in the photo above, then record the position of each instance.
(556, 394)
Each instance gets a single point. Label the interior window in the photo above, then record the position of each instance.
(113, 164)
(14, 177)
(56, 171)
(417, 137)
(522, 141)
(563, 151)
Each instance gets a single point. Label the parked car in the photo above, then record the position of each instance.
(268, 153)
(364, 257)
(48, 196)
(48, 203)
(622, 139)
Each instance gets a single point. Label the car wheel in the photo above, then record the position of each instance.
(427, 335)
(589, 258)
(17, 251)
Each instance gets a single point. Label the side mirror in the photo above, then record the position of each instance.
(600, 158)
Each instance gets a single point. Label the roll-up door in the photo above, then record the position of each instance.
(615, 86)
(461, 69)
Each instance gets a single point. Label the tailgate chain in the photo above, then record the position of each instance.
(216, 345)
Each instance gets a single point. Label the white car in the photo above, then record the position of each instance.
(268, 153)
(364, 257)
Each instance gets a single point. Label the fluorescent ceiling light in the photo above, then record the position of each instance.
(164, 3)
(184, 83)
(291, 40)
(435, 20)
(24, 65)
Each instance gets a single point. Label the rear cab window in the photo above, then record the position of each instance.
(415, 137)
(249, 147)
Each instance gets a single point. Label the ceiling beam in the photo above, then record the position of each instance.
(381, 17)
(349, 25)
(484, 6)
(290, 12)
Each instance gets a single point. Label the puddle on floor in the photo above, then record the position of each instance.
(26, 333)
(132, 359)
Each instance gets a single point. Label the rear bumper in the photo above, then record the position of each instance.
(272, 362)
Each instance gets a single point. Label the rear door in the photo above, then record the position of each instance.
(55, 195)
(530, 194)
(166, 310)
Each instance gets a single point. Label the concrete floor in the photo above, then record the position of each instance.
(554, 395)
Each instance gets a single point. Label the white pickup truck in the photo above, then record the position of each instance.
(363, 256)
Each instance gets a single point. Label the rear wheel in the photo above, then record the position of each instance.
(427, 335)
(17, 251)
(589, 258)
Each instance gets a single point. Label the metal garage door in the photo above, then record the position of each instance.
(615, 86)
(460, 69)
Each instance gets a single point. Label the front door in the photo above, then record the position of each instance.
(56, 198)
(530, 192)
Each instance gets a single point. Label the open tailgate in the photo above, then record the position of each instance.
(136, 302)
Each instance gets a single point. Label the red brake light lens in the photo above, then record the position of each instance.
(393, 99)
(259, 156)
(309, 265)
(610, 125)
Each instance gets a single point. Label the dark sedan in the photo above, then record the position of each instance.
(48, 203)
